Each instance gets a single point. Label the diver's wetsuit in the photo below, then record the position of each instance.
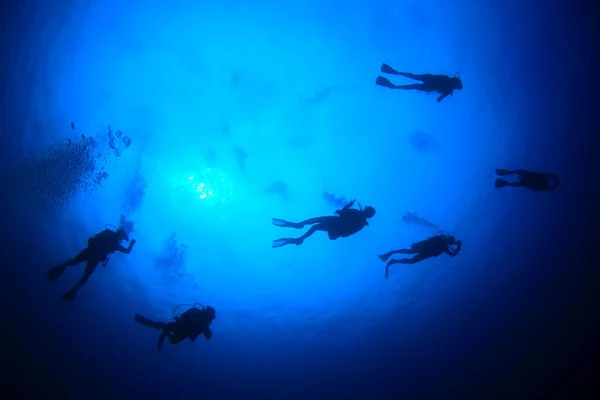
(532, 180)
(432, 247)
(443, 84)
(100, 246)
(190, 324)
(348, 222)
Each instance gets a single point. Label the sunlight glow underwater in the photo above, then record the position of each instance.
(208, 184)
(179, 200)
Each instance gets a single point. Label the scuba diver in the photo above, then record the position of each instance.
(100, 246)
(531, 180)
(347, 222)
(190, 324)
(443, 84)
(428, 248)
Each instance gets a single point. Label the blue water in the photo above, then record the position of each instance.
(238, 112)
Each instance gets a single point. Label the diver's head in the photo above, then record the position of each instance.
(456, 83)
(369, 211)
(211, 312)
(451, 239)
(122, 234)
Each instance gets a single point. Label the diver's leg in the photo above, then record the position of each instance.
(384, 257)
(285, 224)
(417, 77)
(84, 255)
(161, 340)
(320, 224)
(55, 272)
(300, 225)
(313, 229)
(519, 184)
(388, 265)
(147, 322)
(317, 220)
(504, 172)
(175, 338)
(415, 86)
(89, 269)
(414, 260)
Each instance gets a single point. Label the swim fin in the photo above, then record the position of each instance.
(161, 340)
(286, 224)
(386, 69)
(140, 319)
(279, 243)
(55, 272)
(503, 172)
(69, 296)
(384, 257)
(381, 81)
(500, 183)
(279, 222)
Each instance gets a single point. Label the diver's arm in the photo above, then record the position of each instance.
(207, 333)
(346, 207)
(128, 249)
(451, 253)
(443, 96)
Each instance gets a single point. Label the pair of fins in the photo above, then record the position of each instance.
(285, 224)
(381, 81)
(500, 183)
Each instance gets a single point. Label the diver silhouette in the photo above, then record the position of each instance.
(428, 248)
(532, 180)
(443, 84)
(190, 324)
(100, 246)
(347, 222)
